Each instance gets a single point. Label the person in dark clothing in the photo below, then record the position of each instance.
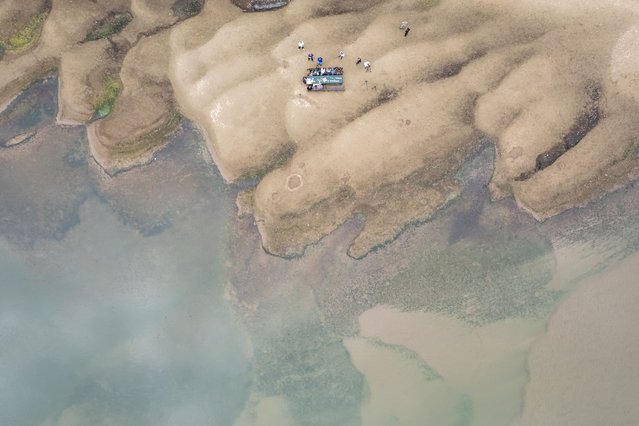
(406, 31)
(358, 61)
(311, 57)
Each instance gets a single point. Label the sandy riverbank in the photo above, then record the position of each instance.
(553, 86)
(387, 146)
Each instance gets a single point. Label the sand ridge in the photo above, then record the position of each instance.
(553, 85)
(387, 146)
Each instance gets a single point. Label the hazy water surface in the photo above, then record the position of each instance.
(142, 299)
(112, 307)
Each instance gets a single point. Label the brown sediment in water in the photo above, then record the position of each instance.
(591, 344)
(534, 76)
(467, 359)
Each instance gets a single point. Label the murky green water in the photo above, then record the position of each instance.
(141, 299)
(112, 308)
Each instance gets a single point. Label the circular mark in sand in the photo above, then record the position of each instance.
(294, 182)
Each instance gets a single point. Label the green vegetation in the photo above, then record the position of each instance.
(146, 141)
(184, 9)
(106, 98)
(112, 24)
(24, 38)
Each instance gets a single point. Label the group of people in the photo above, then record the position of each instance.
(340, 55)
(367, 65)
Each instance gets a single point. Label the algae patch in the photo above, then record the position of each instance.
(24, 38)
(106, 98)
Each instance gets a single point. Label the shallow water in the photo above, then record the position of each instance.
(141, 299)
(112, 308)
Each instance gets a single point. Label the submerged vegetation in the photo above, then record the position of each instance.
(112, 24)
(24, 38)
(106, 98)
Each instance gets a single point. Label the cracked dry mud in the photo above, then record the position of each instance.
(554, 86)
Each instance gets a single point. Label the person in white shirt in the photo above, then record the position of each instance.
(341, 54)
(367, 66)
(300, 45)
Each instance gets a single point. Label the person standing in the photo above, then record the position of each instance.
(341, 55)
(310, 57)
(300, 45)
(406, 31)
(367, 66)
(358, 61)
